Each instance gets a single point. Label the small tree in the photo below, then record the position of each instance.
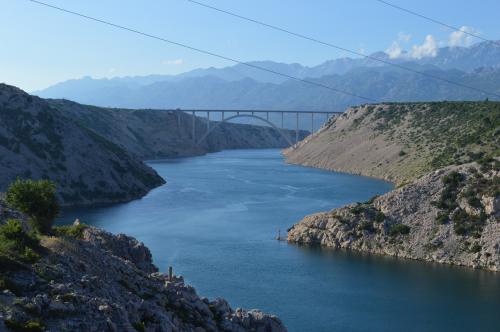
(37, 199)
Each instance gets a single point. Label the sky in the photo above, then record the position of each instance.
(42, 46)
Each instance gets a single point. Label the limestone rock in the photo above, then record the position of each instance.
(106, 282)
(380, 226)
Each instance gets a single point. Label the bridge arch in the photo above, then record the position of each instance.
(279, 130)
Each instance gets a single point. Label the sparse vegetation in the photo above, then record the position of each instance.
(471, 189)
(465, 224)
(448, 199)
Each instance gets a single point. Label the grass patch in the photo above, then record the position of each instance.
(72, 231)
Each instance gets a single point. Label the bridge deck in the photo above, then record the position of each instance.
(258, 114)
(251, 111)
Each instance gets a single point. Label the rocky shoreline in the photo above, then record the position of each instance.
(103, 282)
(420, 221)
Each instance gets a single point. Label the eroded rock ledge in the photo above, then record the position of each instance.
(448, 216)
(103, 282)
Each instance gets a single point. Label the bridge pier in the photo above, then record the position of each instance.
(312, 123)
(296, 127)
(193, 133)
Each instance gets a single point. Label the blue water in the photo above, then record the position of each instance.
(214, 222)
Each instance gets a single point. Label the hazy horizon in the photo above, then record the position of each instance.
(67, 47)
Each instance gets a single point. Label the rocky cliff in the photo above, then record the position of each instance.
(152, 134)
(90, 280)
(39, 141)
(446, 209)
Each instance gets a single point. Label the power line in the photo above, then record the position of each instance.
(299, 35)
(199, 50)
(434, 20)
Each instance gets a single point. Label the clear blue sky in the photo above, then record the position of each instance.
(41, 46)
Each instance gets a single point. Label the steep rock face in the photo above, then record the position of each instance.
(152, 134)
(39, 141)
(103, 282)
(449, 216)
(402, 142)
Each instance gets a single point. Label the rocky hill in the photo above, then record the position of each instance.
(85, 279)
(39, 141)
(152, 134)
(445, 159)
(95, 155)
(449, 216)
(401, 142)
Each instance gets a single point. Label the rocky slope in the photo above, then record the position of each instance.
(96, 281)
(39, 141)
(449, 216)
(441, 212)
(401, 142)
(151, 134)
(94, 155)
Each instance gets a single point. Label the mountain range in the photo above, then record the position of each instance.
(244, 87)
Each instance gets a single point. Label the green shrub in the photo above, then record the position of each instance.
(371, 200)
(367, 226)
(139, 326)
(358, 209)
(448, 199)
(475, 248)
(442, 218)
(16, 243)
(37, 199)
(399, 229)
(379, 217)
(30, 326)
(402, 153)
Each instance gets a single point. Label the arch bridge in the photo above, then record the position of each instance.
(261, 115)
